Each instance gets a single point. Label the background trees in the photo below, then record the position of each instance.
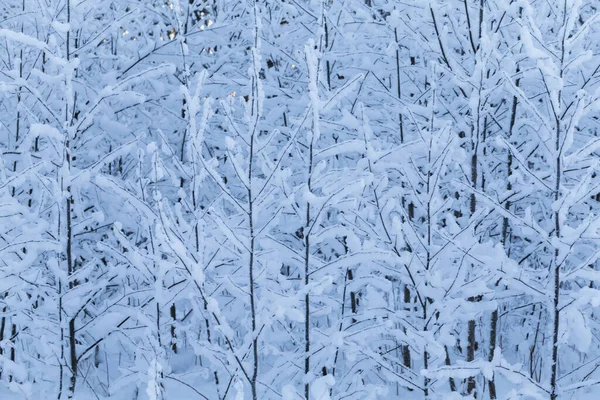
(298, 199)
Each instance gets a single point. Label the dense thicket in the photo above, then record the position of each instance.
(299, 199)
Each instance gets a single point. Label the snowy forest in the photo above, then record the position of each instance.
(299, 199)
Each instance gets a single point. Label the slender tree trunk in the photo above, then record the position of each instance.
(307, 307)
(173, 312)
(252, 259)
(70, 271)
(556, 266)
(69, 224)
(399, 85)
(62, 341)
(251, 270)
(406, 358)
(429, 190)
(2, 327)
(557, 223)
(253, 305)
